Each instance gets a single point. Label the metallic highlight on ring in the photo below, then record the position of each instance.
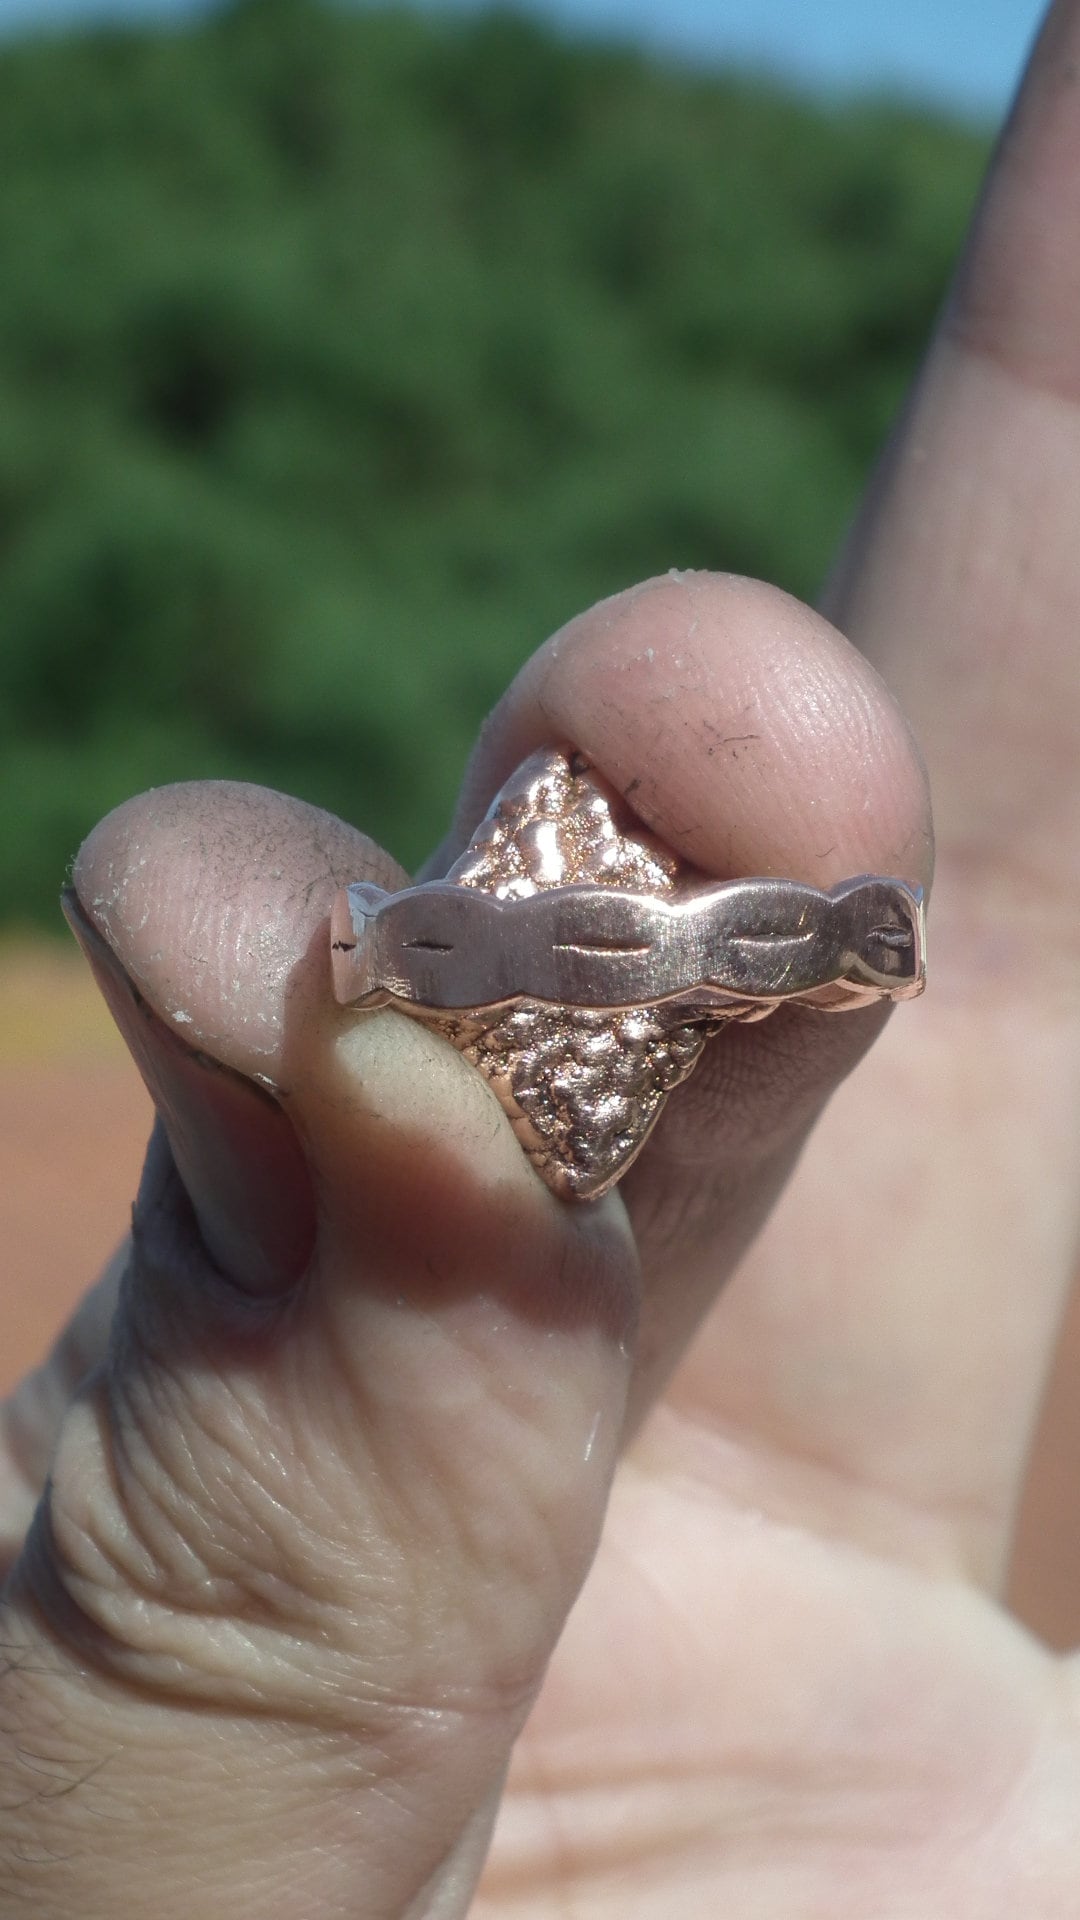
(444, 947)
(581, 967)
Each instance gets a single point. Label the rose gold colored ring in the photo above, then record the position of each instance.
(581, 967)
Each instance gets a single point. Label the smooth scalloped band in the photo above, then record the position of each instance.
(444, 947)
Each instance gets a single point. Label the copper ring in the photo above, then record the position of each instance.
(581, 967)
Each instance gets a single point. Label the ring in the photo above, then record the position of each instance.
(581, 966)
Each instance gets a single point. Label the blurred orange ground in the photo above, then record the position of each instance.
(74, 1120)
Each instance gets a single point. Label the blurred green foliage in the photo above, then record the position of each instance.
(345, 355)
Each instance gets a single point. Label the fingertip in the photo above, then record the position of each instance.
(738, 723)
(209, 893)
(231, 1143)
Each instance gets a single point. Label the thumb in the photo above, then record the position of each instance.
(313, 1527)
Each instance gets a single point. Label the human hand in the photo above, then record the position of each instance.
(315, 1526)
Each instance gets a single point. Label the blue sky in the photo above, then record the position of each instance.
(962, 52)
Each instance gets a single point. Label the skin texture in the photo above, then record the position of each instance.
(296, 1596)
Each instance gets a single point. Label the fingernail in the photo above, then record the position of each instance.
(235, 1149)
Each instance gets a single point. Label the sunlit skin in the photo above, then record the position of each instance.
(377, 1404)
